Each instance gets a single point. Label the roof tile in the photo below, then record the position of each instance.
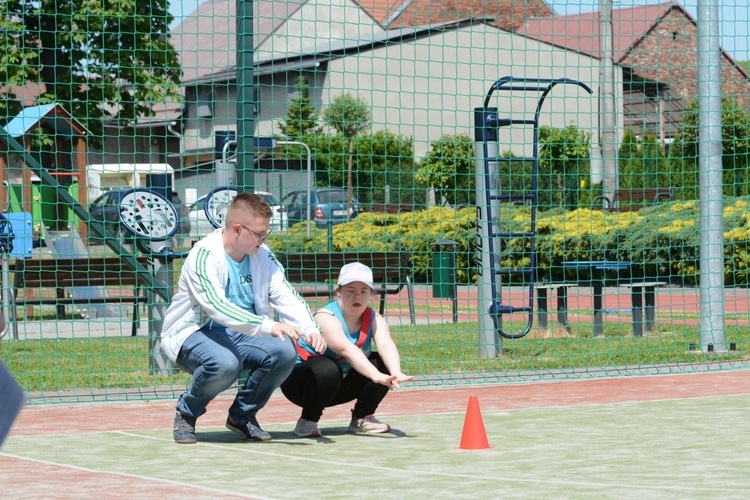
(581, 32)
(509, 14)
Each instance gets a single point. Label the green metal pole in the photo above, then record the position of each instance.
(245, 97)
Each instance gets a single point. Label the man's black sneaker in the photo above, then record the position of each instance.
(250, 431)
(184, 429)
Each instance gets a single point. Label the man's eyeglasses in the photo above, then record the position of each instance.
(258, 236)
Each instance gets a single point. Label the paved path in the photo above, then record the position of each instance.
(674, 306)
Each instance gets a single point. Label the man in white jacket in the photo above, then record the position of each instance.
(219, 324)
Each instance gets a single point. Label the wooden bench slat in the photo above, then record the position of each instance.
(67, 273)
(315, 273)
(61, 274)
(637, 194)
(70, 301)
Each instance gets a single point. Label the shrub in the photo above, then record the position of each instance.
(662, 241)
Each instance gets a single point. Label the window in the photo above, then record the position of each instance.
(205, 103)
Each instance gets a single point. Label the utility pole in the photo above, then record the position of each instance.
(607, 110)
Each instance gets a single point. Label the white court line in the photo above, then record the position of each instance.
(132, 476)
(494, 477)
(584, 405)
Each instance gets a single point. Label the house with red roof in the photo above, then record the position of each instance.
(657, 44)
(507, 14)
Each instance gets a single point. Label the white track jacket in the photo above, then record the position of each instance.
(200, 297)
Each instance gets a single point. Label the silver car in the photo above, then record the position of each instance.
(328, 205)
(200, 225)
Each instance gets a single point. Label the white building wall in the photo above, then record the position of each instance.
(430, 87)
(315, 24)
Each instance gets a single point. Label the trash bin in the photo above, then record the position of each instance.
(444, 269)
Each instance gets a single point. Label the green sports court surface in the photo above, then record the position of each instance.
(667, 436)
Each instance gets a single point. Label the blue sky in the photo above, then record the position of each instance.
(180, 8)
(734, 16)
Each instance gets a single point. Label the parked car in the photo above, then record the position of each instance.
(200, 225)
(327, 205)
(106, 209)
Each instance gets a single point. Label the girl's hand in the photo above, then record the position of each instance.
(401, 378)
(386, 380)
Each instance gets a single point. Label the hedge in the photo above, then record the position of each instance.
(662, 241)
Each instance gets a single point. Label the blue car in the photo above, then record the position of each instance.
(327, 205)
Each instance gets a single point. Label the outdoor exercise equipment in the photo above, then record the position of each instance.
(154, 220)
(6, 247)
(217, 203)
(489, 196)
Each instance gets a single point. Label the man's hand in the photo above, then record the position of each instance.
(317, 342)
(281, 329)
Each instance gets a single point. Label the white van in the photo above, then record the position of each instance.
(103, 177)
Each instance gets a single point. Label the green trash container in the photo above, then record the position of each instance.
(444, 269)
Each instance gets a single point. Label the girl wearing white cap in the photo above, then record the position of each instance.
(348, 370)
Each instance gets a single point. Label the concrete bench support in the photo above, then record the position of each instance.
(561, 291)
(640, 293)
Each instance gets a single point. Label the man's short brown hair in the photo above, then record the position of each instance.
(249, 203)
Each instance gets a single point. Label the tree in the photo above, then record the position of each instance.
(99, 60)
(641, 162)
(349, 116)
(448, 168)
(735, 147)
(564, 159)
(301, 120)
(381, 159)
(385, 159)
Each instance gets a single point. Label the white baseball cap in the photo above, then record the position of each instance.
(356, 271)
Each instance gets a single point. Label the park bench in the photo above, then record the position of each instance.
(633, 199)
(314, 274)
(391, 208)
(561, 290)
(643, 292)
(115, 283)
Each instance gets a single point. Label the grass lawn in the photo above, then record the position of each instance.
(108, 364)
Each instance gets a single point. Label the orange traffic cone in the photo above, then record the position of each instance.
(474, 436)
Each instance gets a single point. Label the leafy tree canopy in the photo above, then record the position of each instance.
(348, 115)
(564, 161)
(642, 162)
(380, 159)
(735, 148)
(99, 60)
(448, 168)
